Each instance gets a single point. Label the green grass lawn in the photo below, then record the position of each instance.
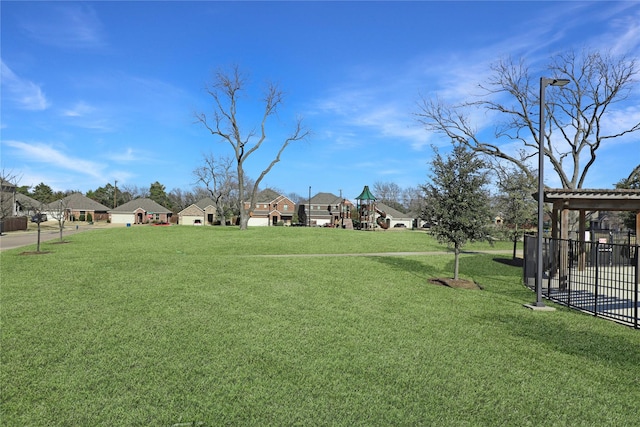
(155, 326)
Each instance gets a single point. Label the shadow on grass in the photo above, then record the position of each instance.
(581, 340)
(411, 266)
(518, 262)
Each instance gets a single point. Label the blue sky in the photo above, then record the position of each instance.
(94, 92)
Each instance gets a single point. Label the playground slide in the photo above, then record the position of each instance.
(382, 220)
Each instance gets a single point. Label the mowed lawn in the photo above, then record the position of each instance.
(158, 326)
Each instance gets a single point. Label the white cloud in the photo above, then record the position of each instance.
(43, 153)
(24, 93)
(80, 109)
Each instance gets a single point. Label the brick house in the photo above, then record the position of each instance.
(200, 213)
(78, 207)
(270, 209)
(140, 211)
(327, 209)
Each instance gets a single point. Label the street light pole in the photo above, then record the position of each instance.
(544, 82)
(309, 219)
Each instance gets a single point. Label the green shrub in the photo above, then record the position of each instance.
(81, 218)
(89, 217)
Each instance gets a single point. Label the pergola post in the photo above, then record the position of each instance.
(564, 246)
(555, 234)
(582, 256)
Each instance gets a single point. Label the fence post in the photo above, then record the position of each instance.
(637, 280)
(595, 291)
(571, 253)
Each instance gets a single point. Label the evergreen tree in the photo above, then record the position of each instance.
(456, 200)
(158, 194)
(43, 193)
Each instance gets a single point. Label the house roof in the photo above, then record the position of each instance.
(267, 195)
(325, 199)
(204, 203)
(145, 204)
(26, 201)
(7, 186)
(594, 199)
(201, 204)
(394, 213)
(78, 201)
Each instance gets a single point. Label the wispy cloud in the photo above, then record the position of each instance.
(74, 25)
(24, 93)
(86, 116)
(47, 154)
(128, 155)
(80, 109)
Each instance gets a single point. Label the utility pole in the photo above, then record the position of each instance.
(115, 192)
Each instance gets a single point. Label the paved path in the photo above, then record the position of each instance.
(507, 251)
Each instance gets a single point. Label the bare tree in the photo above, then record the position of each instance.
(515, 202)
(577, 112)
(389, 193)
(224, 122)
(181, 199)
(219, 180)
(130, 192)
(58, 210)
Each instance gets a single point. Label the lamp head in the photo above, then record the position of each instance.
(559, 82)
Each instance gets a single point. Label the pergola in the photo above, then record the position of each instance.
(582, 201)
(588, 200)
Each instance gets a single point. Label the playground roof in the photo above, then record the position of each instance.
(366, 194)
(594, 200)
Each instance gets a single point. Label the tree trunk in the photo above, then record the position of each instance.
(223, 220)
(515, 243)
(38, 245)
(456, 264)
(244, 219)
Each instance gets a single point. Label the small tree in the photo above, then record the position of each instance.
(516, 202)
(456, 200)
(219, 180)
(58, 211)
(302, 214)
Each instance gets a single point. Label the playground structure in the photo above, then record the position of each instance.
(370, 216)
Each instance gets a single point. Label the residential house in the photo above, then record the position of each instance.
(388, 217)
(140, 211)
(78, 207)
(271, 208)
(327, 209)
(200, 213)
(14, 208)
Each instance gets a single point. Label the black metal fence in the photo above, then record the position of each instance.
(598, 277)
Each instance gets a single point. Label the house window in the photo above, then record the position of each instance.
(286, 207)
